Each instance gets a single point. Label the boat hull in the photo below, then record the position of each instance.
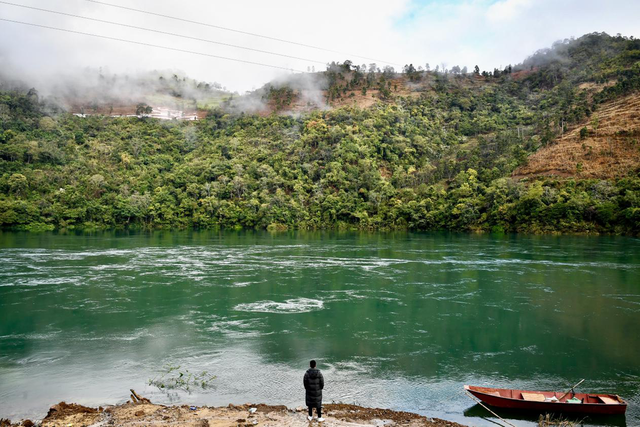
(513, 400)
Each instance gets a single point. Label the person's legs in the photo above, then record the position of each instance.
(319, 411)
(310, 411)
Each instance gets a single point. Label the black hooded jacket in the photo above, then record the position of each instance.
(313, 384)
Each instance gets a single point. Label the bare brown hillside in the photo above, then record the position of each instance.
(299, 101)
(610, 149)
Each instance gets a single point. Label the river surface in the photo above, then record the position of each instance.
(397, 320)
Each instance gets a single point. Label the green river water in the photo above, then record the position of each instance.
(397, 320)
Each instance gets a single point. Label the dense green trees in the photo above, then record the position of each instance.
(438, 161)
(143, 109)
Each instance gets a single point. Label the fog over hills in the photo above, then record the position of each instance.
(466, 33)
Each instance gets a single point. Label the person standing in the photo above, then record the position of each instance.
(313, 385)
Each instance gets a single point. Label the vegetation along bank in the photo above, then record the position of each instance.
(549, 145)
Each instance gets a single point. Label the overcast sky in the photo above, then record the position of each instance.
(465, 33)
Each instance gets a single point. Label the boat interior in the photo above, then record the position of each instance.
(552, 396)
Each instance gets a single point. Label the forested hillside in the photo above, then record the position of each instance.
(421, 149)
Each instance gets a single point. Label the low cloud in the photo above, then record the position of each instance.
(468, 32)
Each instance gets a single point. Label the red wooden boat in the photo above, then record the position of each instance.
(550, 401)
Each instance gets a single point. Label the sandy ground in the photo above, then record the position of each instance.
(148, 414)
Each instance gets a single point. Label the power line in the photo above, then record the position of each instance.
(150, 45)
(237, 31)
(159, 31)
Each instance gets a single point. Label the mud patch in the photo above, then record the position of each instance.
(354, 413)
(63, 409)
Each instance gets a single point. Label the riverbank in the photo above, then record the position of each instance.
(247, 415)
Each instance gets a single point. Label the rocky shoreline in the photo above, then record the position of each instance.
(144, 413)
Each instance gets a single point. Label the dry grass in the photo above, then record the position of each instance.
(596, 87)
(610, 151)
(550, 421)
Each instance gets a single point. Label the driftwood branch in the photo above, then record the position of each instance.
(137, 399)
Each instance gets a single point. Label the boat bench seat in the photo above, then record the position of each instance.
(608, 400)
(533, 397)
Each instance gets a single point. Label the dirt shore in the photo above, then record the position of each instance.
(144, 413)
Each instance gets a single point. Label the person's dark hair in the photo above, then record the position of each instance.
(312, 363)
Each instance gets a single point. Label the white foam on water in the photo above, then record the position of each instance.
(32, 336)
(43, 358)
(133, 336)
(243, 284)
(343, 295)
(61, 280)
(296, 305)
(238, 328)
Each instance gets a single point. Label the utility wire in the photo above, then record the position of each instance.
(150, 45)
(238, 31)
(158, 31)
